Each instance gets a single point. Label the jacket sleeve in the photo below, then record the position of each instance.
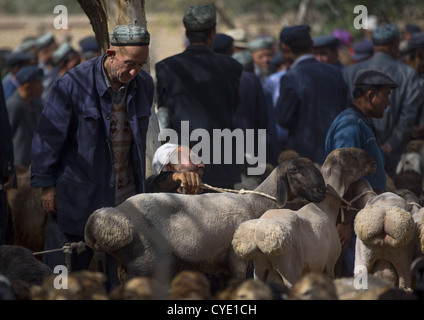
(413, 100)
(50, 135)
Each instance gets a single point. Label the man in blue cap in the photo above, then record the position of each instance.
(311, 95)
(24, 107)
(394, 128)
(89, 148)
(363, 50)
(354, 128)
(89, 48)
(201, 87)
(326, 49)
(14, 62)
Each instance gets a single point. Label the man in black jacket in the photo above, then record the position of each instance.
(201, 87)
(7, 169)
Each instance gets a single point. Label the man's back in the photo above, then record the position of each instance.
(312, 94)
(201, 87)
(398, 120)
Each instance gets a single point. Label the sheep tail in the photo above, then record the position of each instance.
(273, 237)
(108, 230)
(391, 226)
(243, 242)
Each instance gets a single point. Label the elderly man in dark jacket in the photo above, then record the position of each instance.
(201, 87)
(312, 94)
(394, 129)
(89, 147)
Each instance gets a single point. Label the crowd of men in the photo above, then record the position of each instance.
(80, 118)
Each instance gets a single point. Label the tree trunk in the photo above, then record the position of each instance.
(103, 16)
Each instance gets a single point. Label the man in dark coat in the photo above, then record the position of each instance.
(7, 168)
(394, 129)
(201, 87)
(312, 94)
(89, 147)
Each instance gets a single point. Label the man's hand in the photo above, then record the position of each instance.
(48, 198)
(190, 181)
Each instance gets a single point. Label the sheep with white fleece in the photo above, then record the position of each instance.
(384, 244)
(163, 233)
(286, 244)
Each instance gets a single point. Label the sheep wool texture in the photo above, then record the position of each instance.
(395, 223)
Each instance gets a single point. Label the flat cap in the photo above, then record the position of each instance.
(223, 43)
(162, 156)
(373, 78)
(16, 57)
(199, 18)
(363, 50)
(417, 41)
(385, 34)
(28, 73)
(240, 37)
(324, 41)
(88, 44)
(292, 34)
(412, 28)
(129, 35)
(262, 42)
(45, 40)
(60, 53)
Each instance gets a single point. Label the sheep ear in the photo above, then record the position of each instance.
(336, 180)
(282, 190)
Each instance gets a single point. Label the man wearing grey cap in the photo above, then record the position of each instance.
(201, 87)
(394, 129)
(353, 128)
(89, 147)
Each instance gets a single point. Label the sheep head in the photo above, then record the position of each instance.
(344, 166)
(299, 179)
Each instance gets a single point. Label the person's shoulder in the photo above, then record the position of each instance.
(14, 100)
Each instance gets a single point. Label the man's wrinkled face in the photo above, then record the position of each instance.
(126, 62)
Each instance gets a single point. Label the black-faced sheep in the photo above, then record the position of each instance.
(163, 233)
(286, 244)
(19, 263)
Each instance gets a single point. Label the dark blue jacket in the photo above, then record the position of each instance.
(352, 128)
(312, 94)
(202, 87)
(72, 148)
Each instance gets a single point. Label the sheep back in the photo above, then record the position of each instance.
(108, 230)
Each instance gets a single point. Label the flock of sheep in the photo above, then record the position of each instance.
(287, 245)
